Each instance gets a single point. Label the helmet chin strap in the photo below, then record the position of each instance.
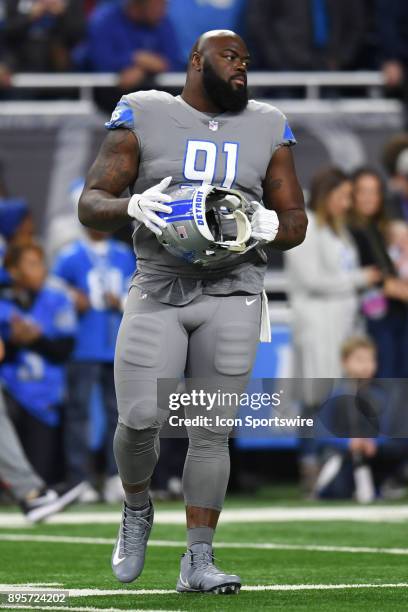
(233, 200)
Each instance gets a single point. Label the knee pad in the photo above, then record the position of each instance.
(137, 402)
(136, 453)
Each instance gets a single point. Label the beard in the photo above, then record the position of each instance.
(221, 93)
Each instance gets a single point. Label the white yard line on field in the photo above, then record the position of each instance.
(259, 587)
(41, 584)
(81, 609)
(375, 513)
(18, 537)
(324, 587)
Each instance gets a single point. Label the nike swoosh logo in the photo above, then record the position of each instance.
(249, 302)
(184, 583)
(116, 558)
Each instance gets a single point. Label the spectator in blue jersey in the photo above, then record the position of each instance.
(133, 38)
(97, 270)
(38, 324)
(190, 19)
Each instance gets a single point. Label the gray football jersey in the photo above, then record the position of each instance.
(231, 150)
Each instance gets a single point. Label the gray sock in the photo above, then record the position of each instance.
(198, 535)
(137, 501)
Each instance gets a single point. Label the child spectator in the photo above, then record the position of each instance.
(356, 419)
(37, 322)
(97, 270)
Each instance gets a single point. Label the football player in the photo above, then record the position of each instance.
(181, 317)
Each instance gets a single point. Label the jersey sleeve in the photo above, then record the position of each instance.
(139, 112)
(286, 137)
(127, 115)
(122, 116)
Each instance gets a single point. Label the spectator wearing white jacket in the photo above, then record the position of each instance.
(324, 279)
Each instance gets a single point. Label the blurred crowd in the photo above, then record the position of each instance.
(58, 323)
(349, 296)
(138, 39)
(348, 282)
(348, 289)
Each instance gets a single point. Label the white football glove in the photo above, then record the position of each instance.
(264, 223)
(142, 205)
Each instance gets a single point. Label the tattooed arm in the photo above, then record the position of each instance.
(115, 168)
(282, 193)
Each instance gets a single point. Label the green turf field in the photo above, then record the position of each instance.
(308, 564)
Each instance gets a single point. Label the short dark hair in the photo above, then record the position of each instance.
(16, 251)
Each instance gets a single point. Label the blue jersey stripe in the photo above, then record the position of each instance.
(170, 219)
(182, 208)
(177, 202)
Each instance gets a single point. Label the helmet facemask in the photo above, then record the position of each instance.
(207, 224)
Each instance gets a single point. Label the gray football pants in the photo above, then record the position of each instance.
(15, 470)
(212, 338)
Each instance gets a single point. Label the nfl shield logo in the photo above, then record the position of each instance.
(213, 125)
(181, 230)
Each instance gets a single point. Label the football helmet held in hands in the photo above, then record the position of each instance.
(207, 224)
